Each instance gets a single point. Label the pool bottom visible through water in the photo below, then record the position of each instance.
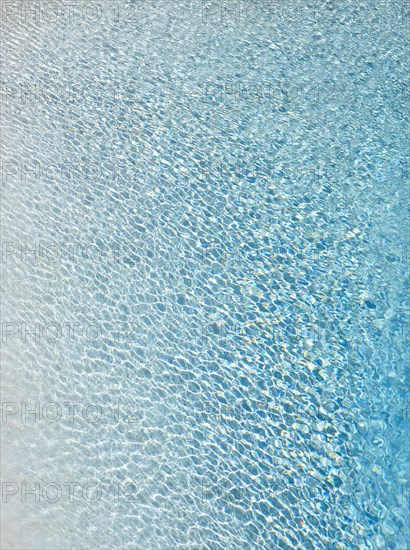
(204, 264)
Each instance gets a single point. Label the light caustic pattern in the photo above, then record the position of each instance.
(204, 265)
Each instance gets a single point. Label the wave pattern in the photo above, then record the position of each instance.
(215, 205)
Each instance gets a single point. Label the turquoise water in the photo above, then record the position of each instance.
(204, 274)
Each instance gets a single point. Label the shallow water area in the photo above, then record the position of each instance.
(204, 262)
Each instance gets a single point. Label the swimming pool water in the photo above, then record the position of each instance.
(204, 272)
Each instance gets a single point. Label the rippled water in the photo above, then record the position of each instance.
(204, 270)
